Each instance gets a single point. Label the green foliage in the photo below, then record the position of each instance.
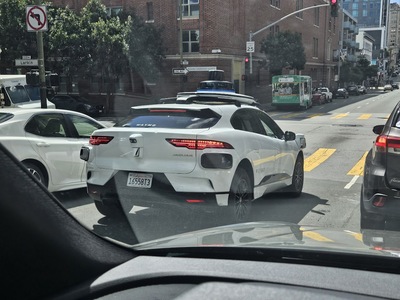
(350, 73)
(144, 48)
(16, 41)
(284, 50)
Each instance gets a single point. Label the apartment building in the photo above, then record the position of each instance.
(213, 34)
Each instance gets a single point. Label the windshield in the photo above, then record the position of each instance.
(18, 94)
(211, 122)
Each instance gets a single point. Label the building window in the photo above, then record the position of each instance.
(150, 14)
(299, 5)
(190, 41)
(113, 11)
(315, 47)
(274, 30)
(316, 16)
(190, 8)
(276, 3)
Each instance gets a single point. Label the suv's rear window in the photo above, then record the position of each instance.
(170, 118)
(5, 116)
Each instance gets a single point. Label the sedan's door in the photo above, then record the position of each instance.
(56, 147)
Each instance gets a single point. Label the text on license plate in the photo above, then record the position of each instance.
(140, 180)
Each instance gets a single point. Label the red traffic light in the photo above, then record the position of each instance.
(246, 60)
(333, 2)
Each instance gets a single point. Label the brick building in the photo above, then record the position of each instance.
(214, 35)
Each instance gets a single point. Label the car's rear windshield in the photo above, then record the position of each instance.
(5, 116)
(170, 118)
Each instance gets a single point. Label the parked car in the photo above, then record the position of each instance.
(77, 103)
(194, 148)
(318, 98)
(327, 92)
(341, 93)
(353, 90)
(362, 89)
(395, 86)
(388, 87)
(381, 185)
(48, 143)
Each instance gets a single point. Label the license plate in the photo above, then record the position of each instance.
(140, 180)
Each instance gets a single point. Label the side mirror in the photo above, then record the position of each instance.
(378, 129)
(290, 136)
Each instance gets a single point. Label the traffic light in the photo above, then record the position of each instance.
(246, 60)
(334, 8)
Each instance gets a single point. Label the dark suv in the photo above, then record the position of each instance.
(380, 193)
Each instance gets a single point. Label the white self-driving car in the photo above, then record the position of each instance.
(200, 148)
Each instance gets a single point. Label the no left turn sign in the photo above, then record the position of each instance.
(36, 18)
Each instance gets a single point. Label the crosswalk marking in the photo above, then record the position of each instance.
(315, 235)
(339, 116)
(358, 169)
(317, 158)
(364, 116)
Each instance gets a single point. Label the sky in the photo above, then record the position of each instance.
(395, 1)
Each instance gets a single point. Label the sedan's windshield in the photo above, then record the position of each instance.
(235, 123)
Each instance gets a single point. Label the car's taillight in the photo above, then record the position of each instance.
(384, 142)
(194, 144)
(99, 140)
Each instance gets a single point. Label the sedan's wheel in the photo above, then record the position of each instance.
(296, 187)
(36, 172)
(241, 196)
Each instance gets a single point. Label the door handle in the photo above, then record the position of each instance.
(43, 144)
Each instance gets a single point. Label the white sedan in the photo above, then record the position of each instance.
(215, 148)
(48, 143)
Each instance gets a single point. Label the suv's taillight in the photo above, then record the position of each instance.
(194, 144)
(99, 140)
(384, 143)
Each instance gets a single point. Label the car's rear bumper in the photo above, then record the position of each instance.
(379, 200)
(161, 192)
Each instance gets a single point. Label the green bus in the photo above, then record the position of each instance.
(292, 90)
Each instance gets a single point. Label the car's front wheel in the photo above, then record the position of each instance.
(296, 188)
(36, 172)
(240, 196)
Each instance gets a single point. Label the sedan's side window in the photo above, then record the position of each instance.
(47, 125)
(245, 119)
(83, 126)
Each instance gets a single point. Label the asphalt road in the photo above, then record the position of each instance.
(338, 136)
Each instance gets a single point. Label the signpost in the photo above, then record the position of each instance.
(36, 21)
(26, 62)
(179, 71)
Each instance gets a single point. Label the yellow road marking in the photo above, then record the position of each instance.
(315, 236)
(356, 235)
(339, 116)
(387, 117)
(290, 115)
(317, 158)
(314, 115)
(364, 116)
(358, 168)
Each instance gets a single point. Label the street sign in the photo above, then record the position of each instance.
(26, 62)
(179, 71)
(36, 18)
(250, 47)
(201, 69)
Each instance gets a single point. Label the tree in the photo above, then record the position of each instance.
(145, 49)
(366, 68)
(15, 40)
(284, 50)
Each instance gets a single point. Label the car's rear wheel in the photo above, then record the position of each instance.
(296, 188)
(36, 172)
(109, 210)
(241, 195)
